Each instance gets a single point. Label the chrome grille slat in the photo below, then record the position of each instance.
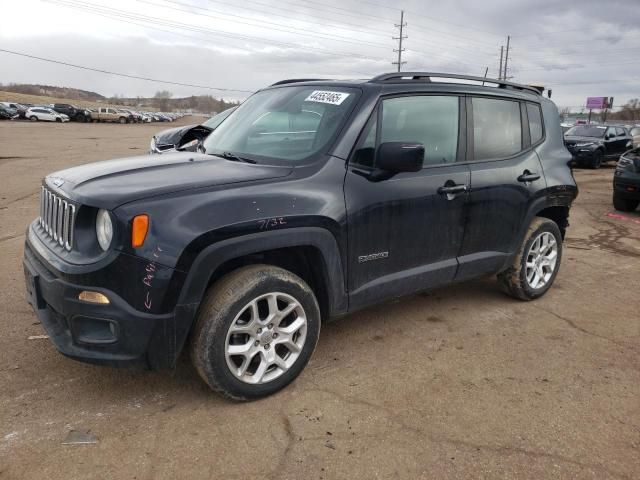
(57, 217)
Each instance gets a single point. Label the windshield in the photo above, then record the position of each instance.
(587, 131)
(216, 120)
(290, 123)
(635, 131)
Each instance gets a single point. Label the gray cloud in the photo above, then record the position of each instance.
(578, 49)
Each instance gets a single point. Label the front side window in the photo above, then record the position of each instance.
(535, 123)
(429, 120)
(497, 128)
(283, 124)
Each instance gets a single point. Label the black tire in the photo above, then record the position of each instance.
(513, 280)
(226, 299)
(596, 161)
(33, 118)
(58, 120)
(81, 118)
(624, 204)
(122, 120)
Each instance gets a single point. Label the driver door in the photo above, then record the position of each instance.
(404, 232)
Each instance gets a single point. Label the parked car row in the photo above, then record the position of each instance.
(64, 112)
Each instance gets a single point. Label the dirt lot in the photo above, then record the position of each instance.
(461, 382)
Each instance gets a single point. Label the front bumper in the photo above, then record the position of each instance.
(626, 184)
(581, 155)
(114, 334)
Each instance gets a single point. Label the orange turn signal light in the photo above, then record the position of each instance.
(139, 229)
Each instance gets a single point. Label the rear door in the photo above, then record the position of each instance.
(404, 232)
(505, 175)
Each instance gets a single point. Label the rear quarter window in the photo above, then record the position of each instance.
(536, 129)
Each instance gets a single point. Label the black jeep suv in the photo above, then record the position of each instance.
(74, 113)
(311, 200)
(590, 145)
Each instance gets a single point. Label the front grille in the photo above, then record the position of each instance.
(57, 218)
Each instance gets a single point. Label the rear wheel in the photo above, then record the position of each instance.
(33, 118)
(596, 161)
(537, 263)
(624, 204)
(256, 330)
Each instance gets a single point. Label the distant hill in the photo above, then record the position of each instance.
(162, 101)
(51, 91)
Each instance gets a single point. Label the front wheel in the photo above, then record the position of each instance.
(33, 118)
(537, 263)
(624, 204)
(123, 120)
(596, 161)
(256, 330)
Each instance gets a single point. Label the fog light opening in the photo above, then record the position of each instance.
(93, 297)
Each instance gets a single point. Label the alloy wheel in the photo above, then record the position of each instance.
(541, 260)
(266, 338)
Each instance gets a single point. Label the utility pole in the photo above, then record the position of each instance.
(500, 71)
(400, 38)
(506, 59)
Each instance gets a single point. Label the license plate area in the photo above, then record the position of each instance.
(33, 295)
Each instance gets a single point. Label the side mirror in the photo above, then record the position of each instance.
(398, 157)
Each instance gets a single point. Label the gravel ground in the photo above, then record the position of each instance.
(461, 382)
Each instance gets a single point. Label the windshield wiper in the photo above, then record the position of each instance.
(234, 158)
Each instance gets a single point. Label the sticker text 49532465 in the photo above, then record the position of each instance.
(332, 98)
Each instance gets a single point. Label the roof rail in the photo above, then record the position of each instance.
(297, 80)
(427, 76)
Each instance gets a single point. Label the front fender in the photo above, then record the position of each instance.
(212, 257)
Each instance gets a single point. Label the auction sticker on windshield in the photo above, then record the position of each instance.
(333, 98)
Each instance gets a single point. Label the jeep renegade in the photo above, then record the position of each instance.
(311, 200)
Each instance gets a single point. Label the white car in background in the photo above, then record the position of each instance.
(45, 114)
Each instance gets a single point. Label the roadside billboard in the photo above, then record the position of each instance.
(594, 103)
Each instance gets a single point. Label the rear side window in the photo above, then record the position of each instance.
(620, 131)
(497, 128)
(430, 120)
(535, 122)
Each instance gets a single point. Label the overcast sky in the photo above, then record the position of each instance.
(579, 49)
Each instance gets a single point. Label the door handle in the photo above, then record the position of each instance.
(528, 176)
(452, 189)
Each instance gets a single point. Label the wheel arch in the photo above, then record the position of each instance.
(312, 253)
(555, 206)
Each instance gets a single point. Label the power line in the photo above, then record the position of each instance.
(99, 70)
(256, 23)
(104, 11)
(119, 14)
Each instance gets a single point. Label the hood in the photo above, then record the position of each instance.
(115, 182)
(578, 139)
(172, 136)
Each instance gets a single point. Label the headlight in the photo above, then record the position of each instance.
(104, 229)
(587, 144)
